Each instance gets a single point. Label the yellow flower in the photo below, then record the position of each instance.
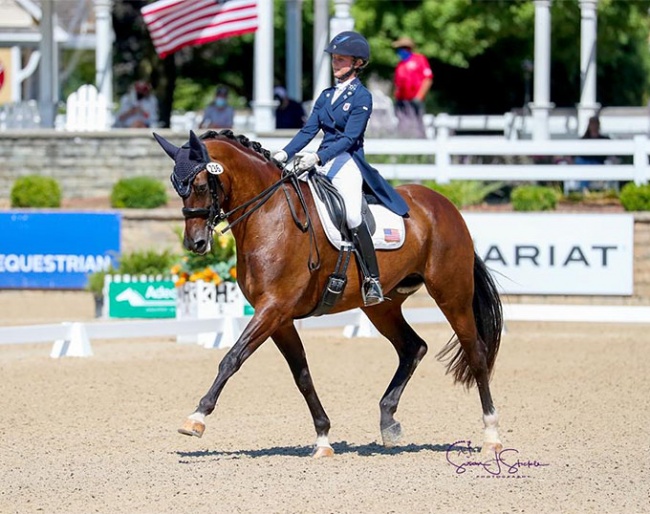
(233, 272)
(216, 280)
(176, 268)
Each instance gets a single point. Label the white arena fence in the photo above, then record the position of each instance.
(73, 339)
(452, 154)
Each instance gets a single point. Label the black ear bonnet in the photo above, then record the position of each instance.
(189, 160)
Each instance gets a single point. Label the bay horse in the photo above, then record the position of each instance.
(283, 266)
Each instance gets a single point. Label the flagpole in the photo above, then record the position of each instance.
(263, 103)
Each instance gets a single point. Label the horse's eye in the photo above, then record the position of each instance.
(201, 188)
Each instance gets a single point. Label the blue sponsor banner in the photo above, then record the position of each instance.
(56, 250)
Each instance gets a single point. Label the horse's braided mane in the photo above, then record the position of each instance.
(241, 139)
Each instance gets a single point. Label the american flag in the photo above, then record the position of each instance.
(391, 235)
(175, 24)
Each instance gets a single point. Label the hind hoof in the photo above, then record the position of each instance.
(392, 435)
(322, 451)
(192, 427)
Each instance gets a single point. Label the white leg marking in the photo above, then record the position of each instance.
(491, 422)
(197, 416)
(323, 441)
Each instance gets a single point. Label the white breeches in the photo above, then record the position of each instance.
(346, 177)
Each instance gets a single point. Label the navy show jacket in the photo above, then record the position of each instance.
(343, 124)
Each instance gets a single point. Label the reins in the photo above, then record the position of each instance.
(214, 214)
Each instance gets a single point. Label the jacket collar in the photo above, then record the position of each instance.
(347, 92)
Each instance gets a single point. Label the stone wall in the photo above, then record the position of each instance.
(86, 165)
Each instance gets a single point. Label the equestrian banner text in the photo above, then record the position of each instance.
(56, 250)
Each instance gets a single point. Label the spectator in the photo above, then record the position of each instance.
(219, 115)
(289, 113)
(592, 132)
(412, 81)
(138, 107)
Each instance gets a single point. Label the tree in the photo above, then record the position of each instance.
(472, 43)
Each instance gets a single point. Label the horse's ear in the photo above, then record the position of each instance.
(198, 152)
(169, 148)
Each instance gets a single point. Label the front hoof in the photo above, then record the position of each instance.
(322, 451)
(392, 435)
(192, 427)
(491, 448)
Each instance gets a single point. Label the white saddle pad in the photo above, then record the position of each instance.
(389, 234)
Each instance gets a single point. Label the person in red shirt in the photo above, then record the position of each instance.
(413, 79)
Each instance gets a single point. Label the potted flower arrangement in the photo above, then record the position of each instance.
(216, 266)
(206, 284)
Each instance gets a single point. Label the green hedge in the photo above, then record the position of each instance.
(534, 198)
(35, 191)
(635, 198)
(138, 193)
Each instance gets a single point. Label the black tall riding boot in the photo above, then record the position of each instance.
(371, 288)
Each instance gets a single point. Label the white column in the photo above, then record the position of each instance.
(588, 35)
(104, 37)
(322, 71)
(542, 105)
(47, 70)
(342, 19)
(263, 103)
(293, 80)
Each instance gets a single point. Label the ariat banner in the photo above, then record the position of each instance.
(556, 254)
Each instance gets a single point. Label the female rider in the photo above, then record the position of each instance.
(342, 113)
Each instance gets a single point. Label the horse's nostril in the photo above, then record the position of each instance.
(200, 245)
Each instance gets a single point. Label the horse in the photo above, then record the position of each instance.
(284, 260)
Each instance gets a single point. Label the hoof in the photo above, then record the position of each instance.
(392, 435)
(322, 451)
(491, 448)
(192, 427)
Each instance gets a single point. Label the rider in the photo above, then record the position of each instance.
(342, 113)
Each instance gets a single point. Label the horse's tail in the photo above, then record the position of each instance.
(488, 313)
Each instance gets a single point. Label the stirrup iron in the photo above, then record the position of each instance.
(371, 291)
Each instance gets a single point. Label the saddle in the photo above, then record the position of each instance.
(335, 207)
(331, 210)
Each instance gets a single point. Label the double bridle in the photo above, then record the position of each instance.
(214, 213)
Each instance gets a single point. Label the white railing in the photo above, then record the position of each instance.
(453, 156)
(74, 339)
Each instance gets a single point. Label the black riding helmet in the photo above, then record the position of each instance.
(350, 43)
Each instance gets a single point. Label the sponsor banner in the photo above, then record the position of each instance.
(149, 299)
(52, 250)
(557, 254)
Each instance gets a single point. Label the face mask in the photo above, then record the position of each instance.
(403, 53)
(220, 102)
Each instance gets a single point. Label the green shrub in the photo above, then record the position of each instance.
(35, 191)
(635, 198)
(138, 193)
(135, 263)
(534, 198)
(465, 192)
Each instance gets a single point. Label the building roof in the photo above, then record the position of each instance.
(74, 24)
